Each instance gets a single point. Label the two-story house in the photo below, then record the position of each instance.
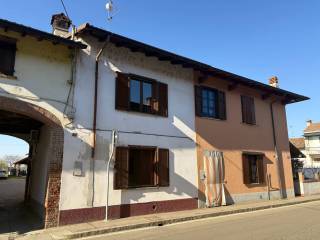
(188, 135)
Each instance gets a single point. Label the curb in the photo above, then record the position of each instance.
(177, 220)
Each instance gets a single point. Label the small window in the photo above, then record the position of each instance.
(140, 94)
(210, 103)
(137, 167)
(253, 169)
(248, 110)
(7, 56)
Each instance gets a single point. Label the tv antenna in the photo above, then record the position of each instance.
(111, 9)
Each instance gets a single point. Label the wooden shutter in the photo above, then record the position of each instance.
(7, 53)
(248, 110)
(198, 100)
(163, 167)
(163, 99)
(221, 105)
(252, 111)
(122, 91)
(261, 169)
(121, 175)
(155, 98)
(245, 169)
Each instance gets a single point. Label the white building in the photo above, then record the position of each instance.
(309, 145)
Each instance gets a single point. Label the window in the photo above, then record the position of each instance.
(253, 169)
(140, 94)
(141, 167)
(248, 110)
(210, 103)
(7, 55)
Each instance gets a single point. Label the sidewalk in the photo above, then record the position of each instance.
(104, 227)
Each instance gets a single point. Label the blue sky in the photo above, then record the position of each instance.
(256, 39)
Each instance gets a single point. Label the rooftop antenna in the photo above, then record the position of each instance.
(110, 9)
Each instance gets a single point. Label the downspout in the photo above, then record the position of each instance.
(95, 104)
(276, 150)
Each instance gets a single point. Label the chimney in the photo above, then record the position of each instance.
(60, 24)
(273, 81)
(309, 122)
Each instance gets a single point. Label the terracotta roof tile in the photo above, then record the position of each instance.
(298, 142)
(314, 127)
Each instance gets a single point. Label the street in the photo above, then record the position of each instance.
(294, 222)
(14, 216)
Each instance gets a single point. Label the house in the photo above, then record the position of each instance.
(309, 145)
(36, 75)
(184, 130)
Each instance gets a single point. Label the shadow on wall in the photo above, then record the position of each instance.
(178, 186)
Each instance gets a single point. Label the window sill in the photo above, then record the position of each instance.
(2, 75)
(249, 124)
(211, 118)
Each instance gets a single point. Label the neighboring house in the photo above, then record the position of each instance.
(183, 127)
(309, 145)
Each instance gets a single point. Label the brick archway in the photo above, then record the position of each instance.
(52, 199)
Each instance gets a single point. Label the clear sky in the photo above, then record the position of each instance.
(256, 39)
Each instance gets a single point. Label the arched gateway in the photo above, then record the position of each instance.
(54, 168)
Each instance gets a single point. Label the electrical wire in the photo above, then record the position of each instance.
(65, 9)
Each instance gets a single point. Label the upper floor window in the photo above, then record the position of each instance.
(140, 94)
(248, 110)
(7, 55)
(210, 103)
(253, 169)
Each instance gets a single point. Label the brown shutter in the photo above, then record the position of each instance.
(121, 175)
(163, 99)
(163, 167)
(245, 169)
(198, 100)
(244, 109)
(155, 98)
(122, 91)
(261, 169)
(252, 111)
(222, 105)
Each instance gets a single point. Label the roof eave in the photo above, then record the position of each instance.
(40, 35)
(135, 46)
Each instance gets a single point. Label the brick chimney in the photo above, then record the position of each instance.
(60, 24)
(273, 81)
(309, 122)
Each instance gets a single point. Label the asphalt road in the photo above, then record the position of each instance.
(294, 222)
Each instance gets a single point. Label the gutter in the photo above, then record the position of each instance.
(95, 103)
(276, 151)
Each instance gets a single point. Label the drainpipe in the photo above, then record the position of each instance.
(276, 150)
(95, 106)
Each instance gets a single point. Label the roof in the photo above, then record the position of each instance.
(298, 142)
(313, 127)
(40, 35)
(22, 161)
(205, 69)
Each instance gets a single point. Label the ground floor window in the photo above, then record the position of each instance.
(253, 169)
(138, 166)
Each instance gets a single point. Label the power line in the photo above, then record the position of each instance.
(65, 9)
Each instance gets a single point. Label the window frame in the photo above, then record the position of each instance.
(11, 44)
(217, 105)
(247, 171)
(160, 171)
(141, 81)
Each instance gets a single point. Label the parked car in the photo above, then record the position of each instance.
(3, 174)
